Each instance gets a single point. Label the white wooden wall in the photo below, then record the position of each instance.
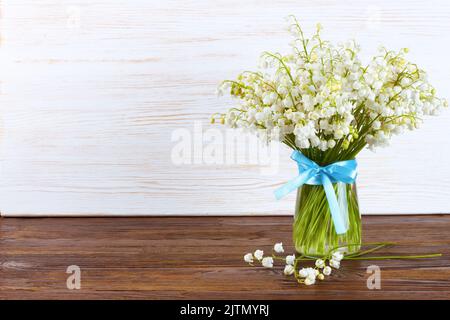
(92, 90)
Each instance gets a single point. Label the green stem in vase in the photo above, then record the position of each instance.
(313, 228)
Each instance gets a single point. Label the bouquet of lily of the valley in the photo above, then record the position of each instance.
(327, 105)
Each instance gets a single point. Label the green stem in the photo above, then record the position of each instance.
(313, 229)
(424, 256)
(360, 253)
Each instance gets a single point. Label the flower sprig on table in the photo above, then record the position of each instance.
(324, 265)
(322, 100)
(307, 275)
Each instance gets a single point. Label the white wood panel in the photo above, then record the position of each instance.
(91, 92)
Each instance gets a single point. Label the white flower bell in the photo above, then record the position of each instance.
(303, 272)
(259, 254)
(320, 263)
(290, 259)
(335, 264)
(248, 258)
(288, 270)
(309, 281)
(327, 271)
(267, 262)
(278, 247)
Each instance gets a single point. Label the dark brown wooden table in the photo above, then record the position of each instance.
(201, 258)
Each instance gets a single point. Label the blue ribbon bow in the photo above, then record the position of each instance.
(313, 174)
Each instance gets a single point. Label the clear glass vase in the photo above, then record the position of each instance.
(313, 228)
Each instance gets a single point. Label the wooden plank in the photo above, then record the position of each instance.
(201, 258)
(92, 91)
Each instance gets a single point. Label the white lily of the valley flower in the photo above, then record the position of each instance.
(320, 263)
(337, 256)
(248, 258)
(259, 254)
(320, 276)
(309, 281)
(327, 84)
(267, 262)
(288, 270)
(278, 247)
(290, 259)
(303, 272)
(327, 271)
(308, 273)
(335, 264)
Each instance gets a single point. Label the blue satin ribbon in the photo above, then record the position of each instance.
(313, 174)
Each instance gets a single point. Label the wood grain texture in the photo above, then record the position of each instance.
(91, 92)
(201, 258)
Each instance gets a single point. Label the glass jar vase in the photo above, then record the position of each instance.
(313, 228)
